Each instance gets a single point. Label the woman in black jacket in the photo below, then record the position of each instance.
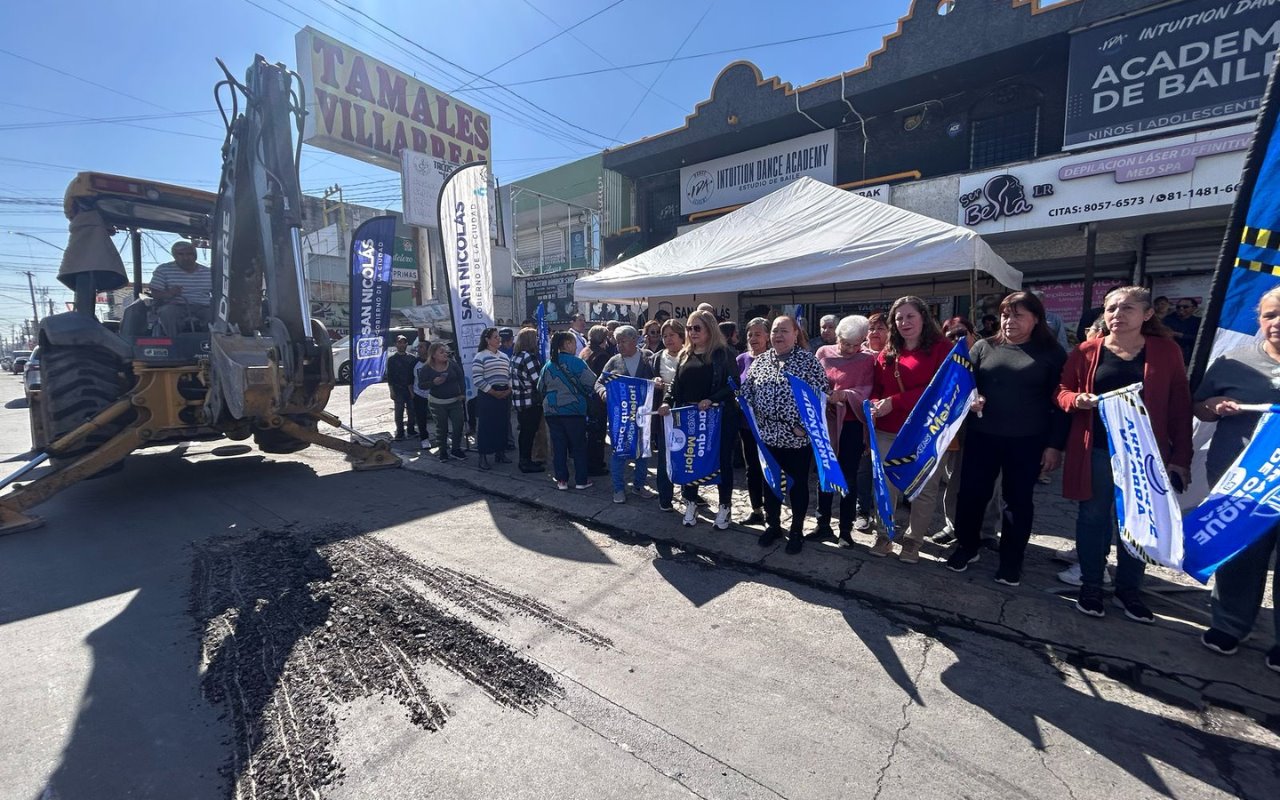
(703, 378)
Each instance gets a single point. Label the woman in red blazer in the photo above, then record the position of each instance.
(1135, 348)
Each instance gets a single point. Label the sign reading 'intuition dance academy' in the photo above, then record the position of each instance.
(743, 177)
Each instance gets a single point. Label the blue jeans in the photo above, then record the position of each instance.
(568, 436)
(618, 470)
(1238, 586)
(1096, 528)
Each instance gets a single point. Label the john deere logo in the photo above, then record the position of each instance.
(701, 185)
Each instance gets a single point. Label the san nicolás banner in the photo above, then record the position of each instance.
(371, 250)
(693, 445)
(812, 408)
(362, 108)
(932, 424)
(629, 401)
(464, 233)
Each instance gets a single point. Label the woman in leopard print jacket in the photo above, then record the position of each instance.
(774, 406)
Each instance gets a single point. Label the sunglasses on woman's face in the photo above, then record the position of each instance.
(696, 328)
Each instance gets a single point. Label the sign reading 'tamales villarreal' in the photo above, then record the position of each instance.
(362, 108)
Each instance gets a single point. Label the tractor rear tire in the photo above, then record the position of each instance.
(78, 383)
(277, 442)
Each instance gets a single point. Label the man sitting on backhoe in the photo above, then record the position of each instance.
(183, 289)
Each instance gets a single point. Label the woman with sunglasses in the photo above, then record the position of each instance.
(665, 361)
(704, 370)
(916, 350)
(491, 376)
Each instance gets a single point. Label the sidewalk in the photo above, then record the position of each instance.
(1165, 658)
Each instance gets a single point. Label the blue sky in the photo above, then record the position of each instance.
(148, 66)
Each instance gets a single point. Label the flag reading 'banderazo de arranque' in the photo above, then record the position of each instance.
(813, 417)
(917, 450)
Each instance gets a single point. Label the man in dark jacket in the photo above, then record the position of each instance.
(399, 374)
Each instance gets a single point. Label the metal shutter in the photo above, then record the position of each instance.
(1190, 251)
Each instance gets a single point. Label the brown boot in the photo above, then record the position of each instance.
(883, 547)
(910, 552)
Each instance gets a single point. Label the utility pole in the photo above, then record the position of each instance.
(31, 284)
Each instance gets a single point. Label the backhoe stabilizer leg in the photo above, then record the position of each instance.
(12, 505)
(361, 456)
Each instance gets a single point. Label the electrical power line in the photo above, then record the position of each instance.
(662, 71)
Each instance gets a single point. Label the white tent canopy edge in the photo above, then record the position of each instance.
(805, 234)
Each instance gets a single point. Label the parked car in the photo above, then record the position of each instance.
(342, 350)
(31, 372)
(19, 361)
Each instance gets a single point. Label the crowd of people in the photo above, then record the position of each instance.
(1035, 413)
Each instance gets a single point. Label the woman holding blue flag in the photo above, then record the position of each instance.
(915, 352)
(1136, 349)
(633, 362)
(1015, 433)
(703, 377)
(777, 415)
(1244, 376)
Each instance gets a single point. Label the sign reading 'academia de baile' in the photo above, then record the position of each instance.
(743, 177)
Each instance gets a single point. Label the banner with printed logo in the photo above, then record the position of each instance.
(544, 335)
(629, 401)
(813, 418)
(919, 446)
(1243, 506)
(464, 234)
(371, 250)
(774, 477)
(693, 445)
(879, 481)
(1146, 507)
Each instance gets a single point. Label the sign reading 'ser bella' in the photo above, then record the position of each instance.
(1179, 66)
(359, 107)
(750, 175)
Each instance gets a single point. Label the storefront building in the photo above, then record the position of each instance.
(1089, 142)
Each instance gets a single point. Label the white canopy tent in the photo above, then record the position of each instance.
(805, 234)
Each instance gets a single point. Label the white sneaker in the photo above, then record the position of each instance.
(690, 514)
(619, 497)
(722, 518)
(1071, 576)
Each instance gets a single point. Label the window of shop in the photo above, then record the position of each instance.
(1004, 139)
(662, 214)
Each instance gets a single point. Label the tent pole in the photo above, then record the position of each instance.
(973, 294)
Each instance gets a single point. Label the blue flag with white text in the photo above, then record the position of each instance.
(879, 481)
(693, 445)
(371, 250)
(918, 449)
(629, 401)
(544, 336)
(813, 418)
(774, 477)
(1243, 506)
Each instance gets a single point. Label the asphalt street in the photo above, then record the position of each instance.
(656, 673)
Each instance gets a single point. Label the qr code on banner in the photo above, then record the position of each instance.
(368, 347)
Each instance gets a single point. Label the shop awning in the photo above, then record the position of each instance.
(804, 234)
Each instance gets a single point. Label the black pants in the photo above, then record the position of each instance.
(755, 472)
(866, 503)
(728, 443)
(795, 462)
(530, 420)
(422, 413)
(848, 456)
(1016, 461)
(402, 402)
(597, 427)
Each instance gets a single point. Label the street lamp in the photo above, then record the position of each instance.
(37, 238)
